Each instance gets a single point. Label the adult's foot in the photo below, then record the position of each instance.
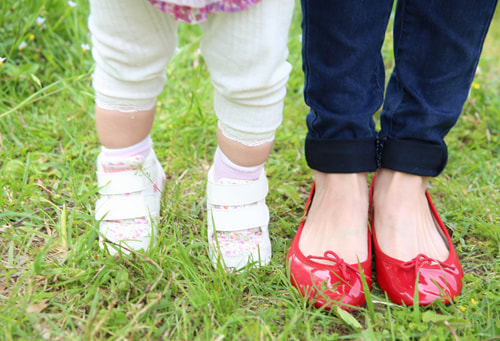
(338, 218)
(403, 222)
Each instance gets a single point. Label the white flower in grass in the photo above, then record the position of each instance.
(2, 59)
(72, 4)
(40, 21)
(85, 47)
(22, 45)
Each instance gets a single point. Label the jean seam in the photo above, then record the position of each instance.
(380, 139)
(305, 47)
(396, 61)
(306, 62)
(483, 35)
(380, 85)
(403, 18)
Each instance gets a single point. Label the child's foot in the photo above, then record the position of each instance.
(129, 206)
(238, 219)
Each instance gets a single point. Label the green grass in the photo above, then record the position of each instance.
(55, 283)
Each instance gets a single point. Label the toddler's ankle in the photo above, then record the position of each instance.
(130, 189)
(225, 168)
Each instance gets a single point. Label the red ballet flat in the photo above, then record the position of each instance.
(435, 280)
(328, 285)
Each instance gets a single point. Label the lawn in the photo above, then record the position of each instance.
(55, 282)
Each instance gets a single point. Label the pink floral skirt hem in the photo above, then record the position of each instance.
(192, 15)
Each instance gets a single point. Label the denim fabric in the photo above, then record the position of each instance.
(437, 45)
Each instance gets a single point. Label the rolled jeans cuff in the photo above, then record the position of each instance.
(341, 156)
(370, 154)
(414, 157)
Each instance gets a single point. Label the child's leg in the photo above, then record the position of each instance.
(246, 55)
(241, 153)
(117, 129)
(132, 43)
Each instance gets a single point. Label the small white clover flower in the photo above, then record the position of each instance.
(40, 21)
(2, 59)
(85, 47)
(72, 4)
(22, 45)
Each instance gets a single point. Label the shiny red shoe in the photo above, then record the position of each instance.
(328, 285)
(436, 280)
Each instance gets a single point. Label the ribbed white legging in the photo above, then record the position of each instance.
(245, 53)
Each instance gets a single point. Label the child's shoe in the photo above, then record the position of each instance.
(129, 206)
(238, 220)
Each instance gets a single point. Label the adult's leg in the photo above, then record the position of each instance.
(344, 86)
(437, 47)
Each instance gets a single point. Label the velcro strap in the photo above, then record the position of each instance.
(237, 194)
(238, 219)
(127, 181)
(114, 208)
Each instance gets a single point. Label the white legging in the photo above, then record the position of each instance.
(245, 53)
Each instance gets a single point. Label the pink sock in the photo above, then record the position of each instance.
(225, 168)
(142, 148)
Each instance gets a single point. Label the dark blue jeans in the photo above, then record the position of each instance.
(437, 44)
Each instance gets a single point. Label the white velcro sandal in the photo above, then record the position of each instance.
(129, 207)
(238, 220)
